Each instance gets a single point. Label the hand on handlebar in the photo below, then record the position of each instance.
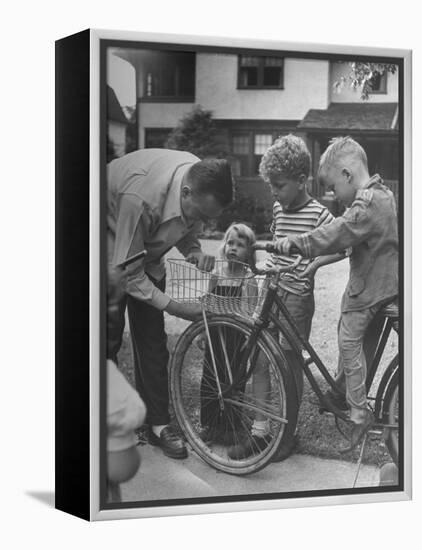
(279, 247)
(271, 248)
(283, 246)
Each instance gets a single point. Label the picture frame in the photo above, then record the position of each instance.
(245, 85)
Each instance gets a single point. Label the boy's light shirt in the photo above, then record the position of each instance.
(369, 226)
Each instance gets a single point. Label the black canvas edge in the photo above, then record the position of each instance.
(72, 380)
(72, 445)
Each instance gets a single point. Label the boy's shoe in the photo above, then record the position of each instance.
(247, 447)
(359, 431)
(206, 434)
(170, 443)
(217, 434)
(337, 400)
(286, 450)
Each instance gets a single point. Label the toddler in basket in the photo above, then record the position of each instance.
(232, 277)
(232, 289)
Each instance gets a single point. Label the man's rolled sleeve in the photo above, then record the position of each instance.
(132, 225)
(142, 288)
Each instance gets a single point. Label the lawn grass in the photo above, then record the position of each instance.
(318, 435)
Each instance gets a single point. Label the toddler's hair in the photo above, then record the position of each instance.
(341, 147)
(288, 155)
(244, 232)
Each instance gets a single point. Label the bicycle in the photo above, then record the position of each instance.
(218, 360)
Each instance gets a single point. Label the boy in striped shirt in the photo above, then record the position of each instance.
(285, 166)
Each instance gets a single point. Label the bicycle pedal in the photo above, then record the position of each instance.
(375, 431)
(321, 410)
(307, 359)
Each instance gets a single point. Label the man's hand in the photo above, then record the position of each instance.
(190, 312)
(204, 262)
(283, 246)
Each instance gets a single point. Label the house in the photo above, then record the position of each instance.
(256, 98)
(117, 124)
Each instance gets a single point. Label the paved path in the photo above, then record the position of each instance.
(164, 478)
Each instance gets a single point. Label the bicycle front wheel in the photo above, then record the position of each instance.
(219, 408)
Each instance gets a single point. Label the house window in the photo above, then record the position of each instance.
(247, 149)
(378, 83)
(241, 150)
(169, 76)
(257, 72)
(261, 144)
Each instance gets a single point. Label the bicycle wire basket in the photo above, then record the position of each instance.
(230, 289)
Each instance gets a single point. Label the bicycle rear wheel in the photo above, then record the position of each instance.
(391, 417)
(201, 370)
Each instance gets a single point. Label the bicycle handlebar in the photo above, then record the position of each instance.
(269, 247)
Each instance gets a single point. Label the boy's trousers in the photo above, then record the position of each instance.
(353, 327)
(150, 354)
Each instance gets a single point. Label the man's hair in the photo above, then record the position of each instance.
(341, 148)
(288, 156)
(213, 177)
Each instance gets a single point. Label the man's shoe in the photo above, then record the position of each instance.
(359, 431)
(248, 447)
(286, 450)
(170, 443)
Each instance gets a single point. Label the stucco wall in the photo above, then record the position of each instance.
(305, 87)
(348, 95)
(160, 115)
(308, 84)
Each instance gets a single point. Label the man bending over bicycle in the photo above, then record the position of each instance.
(369, 226)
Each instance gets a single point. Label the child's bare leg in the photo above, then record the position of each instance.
(261, 386)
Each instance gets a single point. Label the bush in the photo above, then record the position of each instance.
(197, 133)
(246, 210)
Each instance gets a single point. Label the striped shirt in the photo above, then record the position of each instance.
(296, 222)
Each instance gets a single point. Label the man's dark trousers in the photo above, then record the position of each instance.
(149, 342)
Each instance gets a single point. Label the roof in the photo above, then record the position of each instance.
(114, 110)
(352, 116)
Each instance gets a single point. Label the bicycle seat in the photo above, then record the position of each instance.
(391, 310)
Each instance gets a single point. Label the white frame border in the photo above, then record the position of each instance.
(157, 511)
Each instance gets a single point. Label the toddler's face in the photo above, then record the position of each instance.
(236, 248)
(285, 189)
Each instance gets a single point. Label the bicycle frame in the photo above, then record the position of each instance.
(290, 332)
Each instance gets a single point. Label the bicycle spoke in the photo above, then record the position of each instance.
(215, 427)
(226, 359)
(256, 409)
(259, 404)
